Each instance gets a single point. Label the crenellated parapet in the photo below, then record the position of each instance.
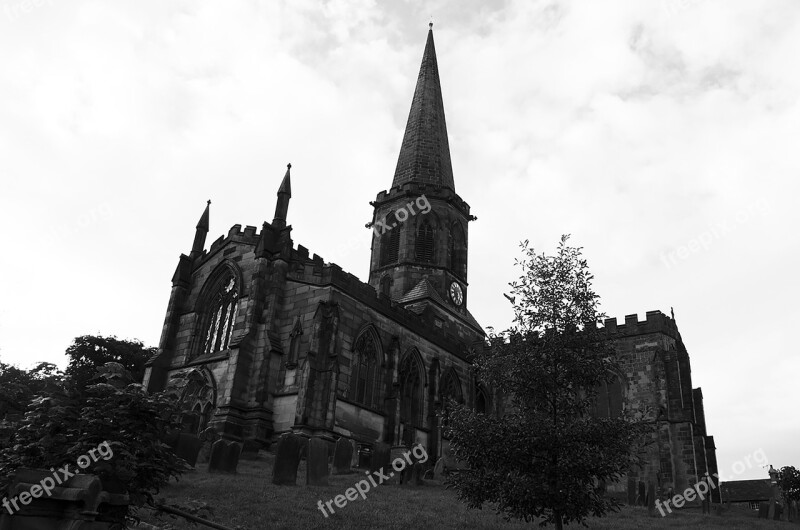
(655, 322)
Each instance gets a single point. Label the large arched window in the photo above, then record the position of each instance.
(425, 243)
(220, 316)
(365, 374)
(411, 389)
(458, 250)
(390, 240)
(450, 388)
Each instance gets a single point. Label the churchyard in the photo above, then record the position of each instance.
(249, 500)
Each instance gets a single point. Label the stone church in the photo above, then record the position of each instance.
(268, 339)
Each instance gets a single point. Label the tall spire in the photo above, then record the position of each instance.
(425, 153)
(200, 233)
(282, 204)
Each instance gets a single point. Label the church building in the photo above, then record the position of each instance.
(266, 339)
(277, 340)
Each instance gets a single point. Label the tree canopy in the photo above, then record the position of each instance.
(547, 456)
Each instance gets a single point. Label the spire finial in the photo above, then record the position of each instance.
(430, 24)
(208, 202)
(289, 165)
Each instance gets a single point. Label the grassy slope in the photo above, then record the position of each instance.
(251, 501)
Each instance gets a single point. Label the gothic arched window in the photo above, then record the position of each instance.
(390, 240)
(411, 396)
(425, 242)
(365, 376)
(458, 250)
(608, 401)
(221, 315)
(450, 389)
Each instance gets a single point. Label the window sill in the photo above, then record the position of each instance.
(360, 405)
(210, 357)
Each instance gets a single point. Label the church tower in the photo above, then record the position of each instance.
(420, 225)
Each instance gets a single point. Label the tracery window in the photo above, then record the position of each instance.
(221, 316)
(411, 397)
(364, 383)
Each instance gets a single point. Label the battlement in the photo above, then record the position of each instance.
(655, 322)
(416, 189)
(315, 271)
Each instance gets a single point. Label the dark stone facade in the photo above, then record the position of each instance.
(267, 339)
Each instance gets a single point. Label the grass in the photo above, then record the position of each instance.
(250, 501)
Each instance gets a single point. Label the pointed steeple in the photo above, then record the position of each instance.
(425, 152)
(282, 204)
(200, 233)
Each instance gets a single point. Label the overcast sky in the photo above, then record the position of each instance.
(662, 135)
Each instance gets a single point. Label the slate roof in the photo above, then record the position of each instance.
(745, 490)
(425, 152)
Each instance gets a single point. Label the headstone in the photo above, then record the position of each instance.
(419, 472)
(287, 459)
(187, 446)
(381, 458)
(317, 463)
(79, 502)
(342, 456)
(641, 500)
(364, 457)
(224, 457)
(651, 498)
(354, 449)
(631, 491)
(438, 469)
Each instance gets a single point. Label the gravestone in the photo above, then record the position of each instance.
(287, 459)
(381, 458)
(187, 446)
(79, 502)
(342, 457)
(651, 498)
(224, 457)
(396, 455)
(631, 492)
(364, 457)
(354, 448)
(419, 472)
(438, 469)
(317, 463)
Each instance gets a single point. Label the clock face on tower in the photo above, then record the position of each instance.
(456, 295)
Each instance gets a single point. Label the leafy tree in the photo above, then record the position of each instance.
(789, 482)
(18, 387)
(66, 424)
(547, 455)
(88, 352)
